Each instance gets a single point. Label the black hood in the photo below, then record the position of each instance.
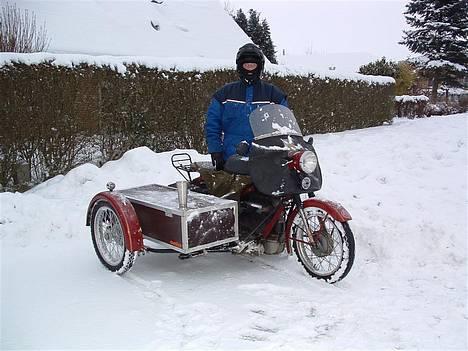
(252, 54)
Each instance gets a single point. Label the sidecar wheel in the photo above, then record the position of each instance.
(108, 239)
(331, 256)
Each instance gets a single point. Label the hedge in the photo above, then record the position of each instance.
(54, 118)
(411, 106)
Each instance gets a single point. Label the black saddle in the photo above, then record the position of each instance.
(237, 164)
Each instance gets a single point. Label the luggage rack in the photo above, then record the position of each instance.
(183, 163)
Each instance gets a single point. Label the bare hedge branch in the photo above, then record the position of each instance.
(19, 32)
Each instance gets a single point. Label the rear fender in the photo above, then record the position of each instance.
(127, 216)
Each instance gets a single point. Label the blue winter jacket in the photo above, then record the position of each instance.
(227, 119)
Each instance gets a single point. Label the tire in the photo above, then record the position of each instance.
(332, 255)
(108, 239)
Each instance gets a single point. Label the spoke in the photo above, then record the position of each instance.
(332, 241)
(109, 235)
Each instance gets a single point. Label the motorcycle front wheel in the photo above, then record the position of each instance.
(330, 253)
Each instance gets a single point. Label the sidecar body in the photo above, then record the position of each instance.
(152, 213)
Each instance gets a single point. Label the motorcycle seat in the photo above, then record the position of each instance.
(237, 164)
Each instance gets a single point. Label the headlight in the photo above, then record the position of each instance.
(308, 162)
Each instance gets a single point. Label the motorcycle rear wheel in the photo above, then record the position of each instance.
(331, 256)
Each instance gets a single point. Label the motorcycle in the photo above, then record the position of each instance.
(263, 202)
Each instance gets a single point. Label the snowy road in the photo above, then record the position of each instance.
(405, 186)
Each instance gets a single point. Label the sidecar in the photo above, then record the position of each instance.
(127, 222)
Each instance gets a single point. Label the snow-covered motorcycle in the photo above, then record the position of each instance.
(263, 202)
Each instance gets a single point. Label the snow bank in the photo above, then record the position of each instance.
(183, 64)
(405, 185)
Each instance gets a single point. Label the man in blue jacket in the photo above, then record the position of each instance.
(227, 119)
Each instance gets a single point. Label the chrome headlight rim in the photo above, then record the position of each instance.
(308, 162)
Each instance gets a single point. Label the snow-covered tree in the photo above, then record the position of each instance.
(439, 30)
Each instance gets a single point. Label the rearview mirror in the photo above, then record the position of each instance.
(309, 139)
(242, 149)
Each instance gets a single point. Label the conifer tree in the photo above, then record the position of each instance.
(254, 27)
(439, 33)
(380, 67)
(266, 43)
(402, 72)
(258, 31)
(241, 20)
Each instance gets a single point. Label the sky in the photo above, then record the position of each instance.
(329, 27)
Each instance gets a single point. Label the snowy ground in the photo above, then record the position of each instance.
(405, 185)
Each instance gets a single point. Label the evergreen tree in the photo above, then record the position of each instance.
(266, 43)
(439, 32)
(254, 28)
(241, 20)
(258, 31)
(380, 67)
(402, 72)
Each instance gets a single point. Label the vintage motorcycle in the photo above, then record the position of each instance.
(262, 203)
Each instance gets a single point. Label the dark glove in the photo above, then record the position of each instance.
(217, 160)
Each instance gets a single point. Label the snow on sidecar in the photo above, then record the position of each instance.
(124, 223)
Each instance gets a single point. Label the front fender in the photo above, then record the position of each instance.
(127, 216)
(334, 209)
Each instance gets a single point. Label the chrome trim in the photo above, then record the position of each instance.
(213, 244)
(184, 230)
(162, 243)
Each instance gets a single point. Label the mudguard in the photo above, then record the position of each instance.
(127, 216)
(334, 209)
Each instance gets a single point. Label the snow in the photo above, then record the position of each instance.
(405, 185)
(194, 35)
(428, 63)
(340, 62)
(445, 63)
(411, 98)
(125, 27)
(183, 64)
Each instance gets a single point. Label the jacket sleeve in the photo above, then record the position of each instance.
(284, 102)
(213, 126)
(279, 97)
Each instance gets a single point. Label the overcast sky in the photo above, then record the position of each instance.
(372, 27)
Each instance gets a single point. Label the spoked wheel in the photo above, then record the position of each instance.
(331, 254)
(108, 239)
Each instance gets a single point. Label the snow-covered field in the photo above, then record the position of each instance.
(405, 185)
(176, 28)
